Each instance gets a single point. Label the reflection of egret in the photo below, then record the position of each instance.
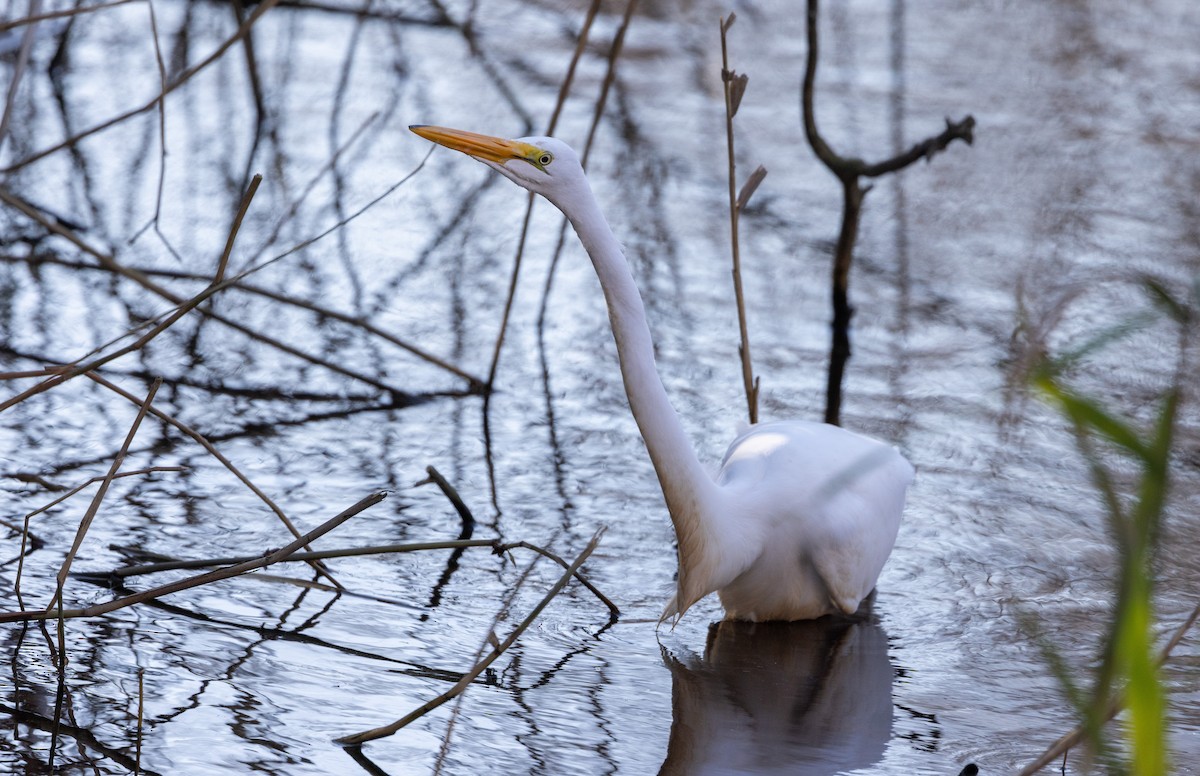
(770, 534)
(809, 697)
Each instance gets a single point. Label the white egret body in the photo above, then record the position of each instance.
(801, 516)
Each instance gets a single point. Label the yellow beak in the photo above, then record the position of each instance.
(486, 147)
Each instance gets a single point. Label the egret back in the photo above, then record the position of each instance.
(813, 512)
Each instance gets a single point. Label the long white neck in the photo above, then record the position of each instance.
(689, 491)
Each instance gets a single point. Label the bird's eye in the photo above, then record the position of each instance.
(545, 159)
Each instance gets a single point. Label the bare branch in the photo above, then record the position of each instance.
(225, 573)
(481, 666)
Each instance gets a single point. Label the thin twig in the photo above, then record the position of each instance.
(1075, 737)
(41, 17)
(475, 384)
(203, 579)
(162, 135)
(734, 86)
(183, 78)
(223, 262)
(564, 89)
(75, 369)
(208, 446)
(94, 507)
(18, 72)
(496, 545)
(612, 608)
(25, 534)
(481, 666)
(345, 552)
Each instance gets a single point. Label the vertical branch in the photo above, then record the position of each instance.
(843, 257)
(735, 86)
(850, 172)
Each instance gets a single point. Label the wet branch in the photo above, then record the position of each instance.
(1076, 736)
(235, 471)
(258, 562)
(498, 649)
(851, 171)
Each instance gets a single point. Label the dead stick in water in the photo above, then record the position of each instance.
(203, 579)
(94, 507)
(203, 442)
(1073, 739)
(25, 533)
(496, 546)
(481, 666)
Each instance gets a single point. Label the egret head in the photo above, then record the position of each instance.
(541, 164)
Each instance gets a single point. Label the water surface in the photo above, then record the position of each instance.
(1084, 173)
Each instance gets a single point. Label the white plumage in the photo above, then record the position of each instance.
(801, 516)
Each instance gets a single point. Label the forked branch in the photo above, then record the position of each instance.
(851, 171)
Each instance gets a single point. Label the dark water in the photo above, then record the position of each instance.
(1085, 172)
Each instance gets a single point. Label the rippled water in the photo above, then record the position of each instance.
(1084, 173)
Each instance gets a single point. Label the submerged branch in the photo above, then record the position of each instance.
(498, 649)
(261, 561)
(1076, 736)
(497, 546)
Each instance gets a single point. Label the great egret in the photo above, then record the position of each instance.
(801, 516)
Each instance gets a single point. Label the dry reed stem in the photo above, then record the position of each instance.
(94, 507)
(208, 446)
(497, 650)
(1075, 737)
(614, 53)
(563, 91)
(734, 85)
(496, 545)
(494, 642)
(25, 550)
(258, 562)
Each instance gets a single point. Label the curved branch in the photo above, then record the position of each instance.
(835, 163)
(847, 169)
(962, 130)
